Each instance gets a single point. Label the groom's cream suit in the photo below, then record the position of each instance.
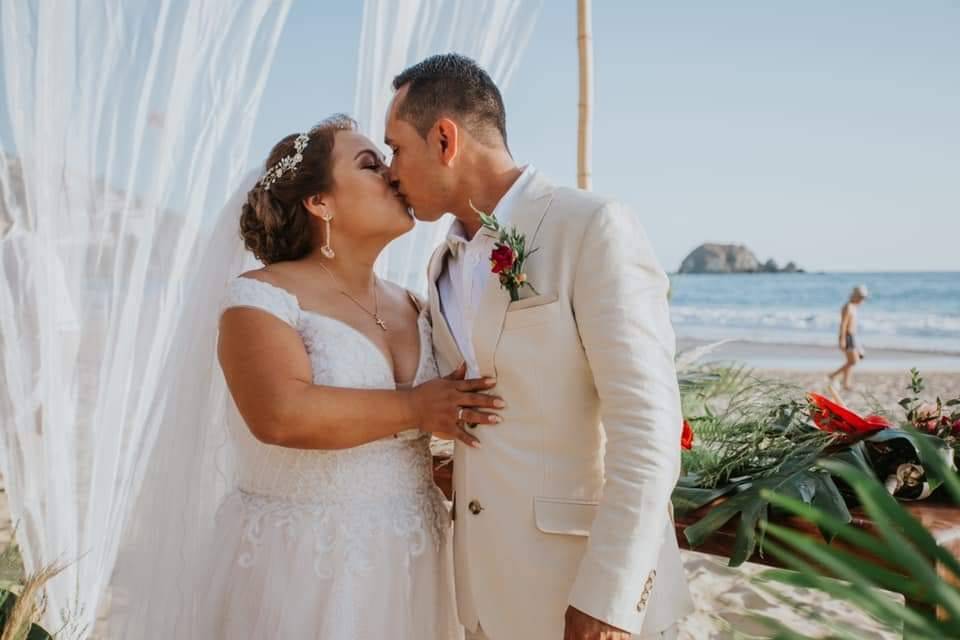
(567, 502)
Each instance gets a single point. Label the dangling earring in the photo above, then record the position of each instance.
(326, 249)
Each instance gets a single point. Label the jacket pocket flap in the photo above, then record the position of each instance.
(528, 314)
(560, 515)
(534, 301)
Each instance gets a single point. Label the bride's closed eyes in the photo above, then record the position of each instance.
(371, 161)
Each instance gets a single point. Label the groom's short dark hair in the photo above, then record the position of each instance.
(453, 85)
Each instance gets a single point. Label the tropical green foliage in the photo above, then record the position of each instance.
(910, 552)
(756, 436)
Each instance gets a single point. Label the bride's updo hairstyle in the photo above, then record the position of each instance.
(274, 224)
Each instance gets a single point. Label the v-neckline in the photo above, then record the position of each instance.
(384, 358)
(373, 345)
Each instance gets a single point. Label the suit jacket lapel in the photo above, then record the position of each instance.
(443, 338)
(531, 207)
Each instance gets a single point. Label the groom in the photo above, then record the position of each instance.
(562, 517)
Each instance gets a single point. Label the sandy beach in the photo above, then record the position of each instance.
(872, 389)
(727, 601)
(800, 360)
(725, 598)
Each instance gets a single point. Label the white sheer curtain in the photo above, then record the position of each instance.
(125, 127)
(398, 33)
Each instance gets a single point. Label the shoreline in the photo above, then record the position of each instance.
(782, 356)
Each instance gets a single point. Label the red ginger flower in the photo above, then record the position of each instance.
(835, 418)
(686, 439)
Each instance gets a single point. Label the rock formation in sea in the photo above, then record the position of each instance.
(730, 258)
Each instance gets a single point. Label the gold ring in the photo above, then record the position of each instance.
(460, 414)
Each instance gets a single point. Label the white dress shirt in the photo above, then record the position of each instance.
(467, 271)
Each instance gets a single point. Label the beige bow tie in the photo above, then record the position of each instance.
(456, 245)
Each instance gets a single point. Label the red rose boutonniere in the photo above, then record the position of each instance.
(509, 255)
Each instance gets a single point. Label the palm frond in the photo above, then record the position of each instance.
(691, 358)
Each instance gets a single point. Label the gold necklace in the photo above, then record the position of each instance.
(375, 314)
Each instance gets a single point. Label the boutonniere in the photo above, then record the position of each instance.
(509, 255)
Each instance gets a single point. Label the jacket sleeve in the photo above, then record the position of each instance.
(622, 315)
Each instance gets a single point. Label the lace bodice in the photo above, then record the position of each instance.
(341, 356)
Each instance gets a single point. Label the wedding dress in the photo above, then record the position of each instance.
(339, 545)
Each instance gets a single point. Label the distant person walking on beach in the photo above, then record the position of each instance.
(849, 340)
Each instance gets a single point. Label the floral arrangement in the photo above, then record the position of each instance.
(756, 436)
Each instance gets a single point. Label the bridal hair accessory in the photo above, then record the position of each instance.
(287, 163)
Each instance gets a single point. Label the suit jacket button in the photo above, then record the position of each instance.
(475, 507)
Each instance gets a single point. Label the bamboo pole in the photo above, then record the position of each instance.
(585, 46)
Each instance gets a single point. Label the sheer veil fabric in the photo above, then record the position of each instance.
(125, 129)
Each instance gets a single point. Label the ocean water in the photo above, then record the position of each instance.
(913, 311)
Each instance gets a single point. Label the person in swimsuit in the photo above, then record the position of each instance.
(849, 340)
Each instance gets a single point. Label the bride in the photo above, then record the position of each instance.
(335, 528)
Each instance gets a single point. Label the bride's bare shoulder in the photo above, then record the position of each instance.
(282, 274)
(255, 274)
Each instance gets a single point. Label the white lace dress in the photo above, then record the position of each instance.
(337, 545)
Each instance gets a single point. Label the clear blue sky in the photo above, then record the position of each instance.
(822, 132)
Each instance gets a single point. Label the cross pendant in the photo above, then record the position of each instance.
(380, 323)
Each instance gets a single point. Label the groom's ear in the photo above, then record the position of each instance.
(448, 135)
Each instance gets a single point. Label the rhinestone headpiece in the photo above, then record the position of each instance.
(287, 163)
